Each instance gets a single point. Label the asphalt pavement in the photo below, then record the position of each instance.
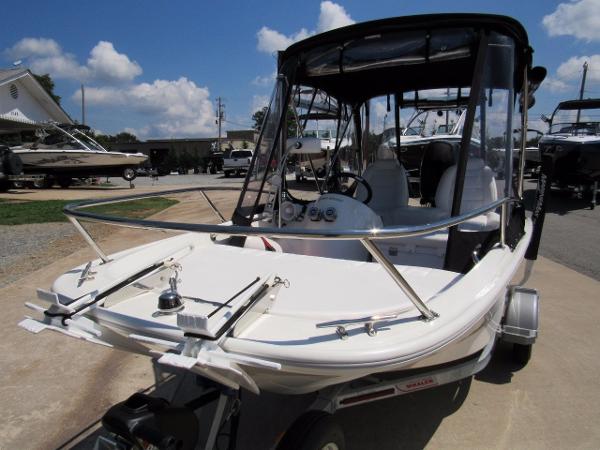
(571, 234)
(54, 389)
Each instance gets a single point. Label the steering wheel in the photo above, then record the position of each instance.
(337, 187)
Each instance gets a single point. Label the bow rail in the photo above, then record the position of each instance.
(76, 212)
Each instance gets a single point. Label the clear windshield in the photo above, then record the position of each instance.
(278, 173)
(427, 123)
(565, 122)
(267, 155)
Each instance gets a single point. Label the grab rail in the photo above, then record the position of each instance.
(366, 237)
(72, 210)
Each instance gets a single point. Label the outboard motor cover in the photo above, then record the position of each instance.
(153, 420)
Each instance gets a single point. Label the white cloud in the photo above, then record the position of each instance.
(569, 73)
(259, 102)
(33, 47)
(556, 85)
(580, 19)
(267, 80)
(174, 108)
(104, 64)
(572, 69)
(63, 65)
(270, 41)
(331, 16)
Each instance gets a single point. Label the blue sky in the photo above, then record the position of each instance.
(155, 67)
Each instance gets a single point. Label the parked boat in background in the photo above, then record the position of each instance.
(64, 152)
(574, 142)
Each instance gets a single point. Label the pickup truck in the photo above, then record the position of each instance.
(237, 162)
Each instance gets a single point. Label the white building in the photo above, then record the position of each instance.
(24, 103)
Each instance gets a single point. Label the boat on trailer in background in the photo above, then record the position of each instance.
(64, 152)
(350, 281)
(573, 141)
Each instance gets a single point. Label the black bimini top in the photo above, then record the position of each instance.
(402, 54)
(588, 103)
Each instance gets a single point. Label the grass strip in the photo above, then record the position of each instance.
(38, 211)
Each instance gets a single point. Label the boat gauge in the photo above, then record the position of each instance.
(330, 214)
(289, 211)
(314, 214)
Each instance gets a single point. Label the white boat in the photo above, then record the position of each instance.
(345, 282)
(69, 153)
(433, 119)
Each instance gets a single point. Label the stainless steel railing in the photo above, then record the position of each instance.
(75, 214)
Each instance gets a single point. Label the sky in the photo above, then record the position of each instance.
(155, 68)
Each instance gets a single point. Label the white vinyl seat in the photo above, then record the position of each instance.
(479, 190)
(388, 181)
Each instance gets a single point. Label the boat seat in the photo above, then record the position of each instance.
(479, 190)
(388, 181)
(437, 158)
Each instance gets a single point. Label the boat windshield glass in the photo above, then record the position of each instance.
(565, 122)
(353, 138)
(267, 155)
(492, 137)
(431, 122)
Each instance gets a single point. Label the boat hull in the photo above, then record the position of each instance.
(309, 358)
(577, 159)
(77, 162)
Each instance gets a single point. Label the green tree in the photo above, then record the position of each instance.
(126, 138)
(259, 116)
(105, 141)
(48, 85)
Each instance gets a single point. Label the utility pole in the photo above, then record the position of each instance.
(585, 68)
(82, 105)
(220, 117)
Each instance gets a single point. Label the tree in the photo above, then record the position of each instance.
(48, 85)
(126, 138)
(105, 141)
(259, 116)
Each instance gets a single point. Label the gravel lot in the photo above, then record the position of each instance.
(25, 239)
(26, 248)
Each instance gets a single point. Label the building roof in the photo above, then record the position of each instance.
(21, 121)
(8, 75)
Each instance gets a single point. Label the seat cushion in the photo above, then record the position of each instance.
(388, 181)
(479, 188)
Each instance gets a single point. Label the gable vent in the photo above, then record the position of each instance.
(14, 91)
